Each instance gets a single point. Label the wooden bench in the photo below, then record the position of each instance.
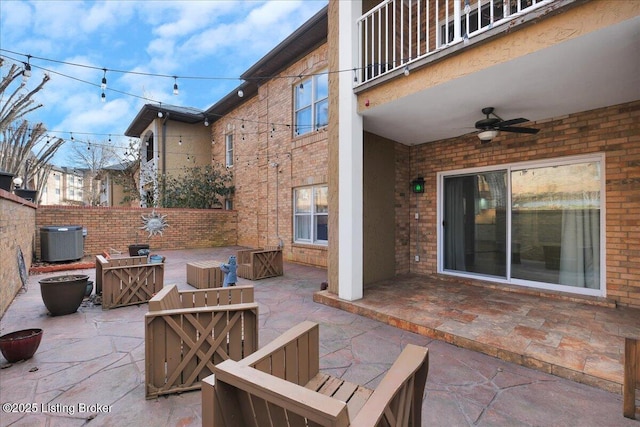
(281, 385)
(127, 280)
(259, 263)
(188, 332)
(204, 274)
(631, 377)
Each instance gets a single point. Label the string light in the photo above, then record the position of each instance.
(180, 142)
(175, 85)
(406, 70)
(103, 85)
(206, 122)
(240, 93)
(103, 97)
(26, 73)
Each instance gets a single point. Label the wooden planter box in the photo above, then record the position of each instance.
(127, 280)
(259, 263)
(204, 274)
(188, 332)
(280, 384)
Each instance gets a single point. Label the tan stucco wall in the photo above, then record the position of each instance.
(509, 43)
(379, 213)
(17, 230)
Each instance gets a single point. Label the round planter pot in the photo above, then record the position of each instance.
(63, 294)
(20, 345)
(134, 249)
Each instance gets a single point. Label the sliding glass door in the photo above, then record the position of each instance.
(533, 224)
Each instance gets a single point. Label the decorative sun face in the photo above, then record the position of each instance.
(154, 223)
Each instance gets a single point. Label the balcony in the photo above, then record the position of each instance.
(397, 33)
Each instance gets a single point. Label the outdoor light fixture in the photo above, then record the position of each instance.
(417, 185)
(240, 93)
(406, 71)
(103, 85)
(175, 85)
(488, 135)
(206, 122)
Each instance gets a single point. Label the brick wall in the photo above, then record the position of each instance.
(117, 228)
(17, 231)
(269, 162)
(614, 131)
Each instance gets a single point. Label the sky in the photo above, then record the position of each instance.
(74, 41)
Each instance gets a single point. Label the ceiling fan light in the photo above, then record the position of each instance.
(488, 135)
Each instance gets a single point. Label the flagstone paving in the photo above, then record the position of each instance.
(89, 368)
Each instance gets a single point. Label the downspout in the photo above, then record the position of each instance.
(164, 153)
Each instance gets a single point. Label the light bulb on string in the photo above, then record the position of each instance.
(406, 71)
(175, 85)
(103, 97)
(180, 141)
(26, 73)
(103, 85)
(240, 93)
(206, 122)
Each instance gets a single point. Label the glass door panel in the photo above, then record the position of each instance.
(475, 223)
(555, 224)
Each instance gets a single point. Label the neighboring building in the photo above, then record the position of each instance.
(65, 186)
(112, 188)
(554, 211)
(172, 139)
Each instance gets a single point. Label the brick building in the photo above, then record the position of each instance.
(554, 208)
(274, 139)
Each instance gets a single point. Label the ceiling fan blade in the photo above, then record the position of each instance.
(518, 130)
(512, 122)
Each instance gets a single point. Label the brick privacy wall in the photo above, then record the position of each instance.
(614, 131)
(17, 230)
(269, 164)
(117, 228)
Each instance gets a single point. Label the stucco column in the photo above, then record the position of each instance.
(350, 158)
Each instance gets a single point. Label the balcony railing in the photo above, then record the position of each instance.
(398, 32)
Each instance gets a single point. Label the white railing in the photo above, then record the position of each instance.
(398, 32)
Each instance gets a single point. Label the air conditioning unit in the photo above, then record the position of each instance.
(61, 243)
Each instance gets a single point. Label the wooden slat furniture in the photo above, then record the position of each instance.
(204, 274)
(259, 263)
(127, 281)
(102, 261)
(281, 385)
(188, 332)
(631, 377)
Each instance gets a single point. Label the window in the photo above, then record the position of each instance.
(229, 149)
(311, 104)
(535, 224)
(149, 144)
(311, 214)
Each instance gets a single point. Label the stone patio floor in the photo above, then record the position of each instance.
(89, 368)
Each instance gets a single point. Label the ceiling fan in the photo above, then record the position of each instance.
(490, 126)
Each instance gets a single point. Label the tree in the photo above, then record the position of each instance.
(93, 159)
(19, 138)
(200, 187)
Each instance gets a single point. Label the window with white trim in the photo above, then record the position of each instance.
(311, 215)
(311, 104)
(228, 146)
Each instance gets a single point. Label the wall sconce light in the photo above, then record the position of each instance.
(488, 135)
(417, 185)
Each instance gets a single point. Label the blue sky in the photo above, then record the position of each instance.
(214, 39)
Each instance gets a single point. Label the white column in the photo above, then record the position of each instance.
(350, 158)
